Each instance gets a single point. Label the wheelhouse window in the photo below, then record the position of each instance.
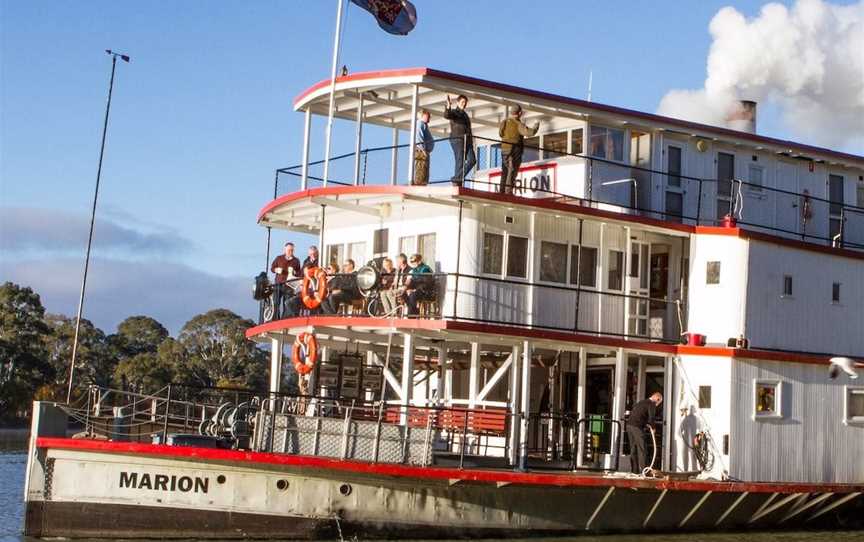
(854, 405)
(767, 399)
(615, 274)
(607, 143)
(583, 268)
(577, 145)
(493, 253)
(517, 257)
(553, 262)
(495, 155)
(756, 177)
(532, 149)
(554, 145)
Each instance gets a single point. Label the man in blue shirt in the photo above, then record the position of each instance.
(422, 150)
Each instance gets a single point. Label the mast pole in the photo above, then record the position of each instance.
(331, 107)
(92, 222)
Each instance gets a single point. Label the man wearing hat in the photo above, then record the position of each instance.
(513, 133)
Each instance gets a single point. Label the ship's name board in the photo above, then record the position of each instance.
(541, 182)
(164, 482)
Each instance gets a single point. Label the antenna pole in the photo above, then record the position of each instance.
(92, 222)
(590, 82)
(336, 40)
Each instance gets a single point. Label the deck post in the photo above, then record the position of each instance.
(515, 375)
(394, 157)
(601, 272)
(412, 136)
(618, 404)
(444, 382)
(527, 351)
(474, 375)
(407, 376)
(358, 140)
(304, 171)
(275, 365)
(625, 275)
(580, 405)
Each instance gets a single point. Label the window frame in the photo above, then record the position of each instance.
(708, 272)
(836, 288)
(505, 254)
(622, 269)
(538, 247)
(753, 187)
(503, 235)
(790, 293)
(777, 413)
(848, 391)
(606, 156)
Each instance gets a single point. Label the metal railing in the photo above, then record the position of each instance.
(515, 303)
(618, 186)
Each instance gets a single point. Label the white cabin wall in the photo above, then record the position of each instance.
(808, 320)
(691, 373)
(717, 310)
(810, 443)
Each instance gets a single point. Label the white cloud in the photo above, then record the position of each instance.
(809, 60)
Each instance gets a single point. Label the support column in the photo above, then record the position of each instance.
(358, 140)
(394, 157)
(444, 383)
(580, 404)
(514, 406)
(527, 351)
(276, 364)
(601, 281)
(413, 135)
(474, 375)
(625, 275)
(304, 171)
(407, 376)
(619, 401)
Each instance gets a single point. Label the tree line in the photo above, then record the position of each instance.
(211, 350)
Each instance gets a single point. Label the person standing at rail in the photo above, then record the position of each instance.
(461, 138)
(286, 267)
(641, 417)
(513, 133)
(423, 150)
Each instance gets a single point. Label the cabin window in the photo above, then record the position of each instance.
(860, 192)
(607, 143)
(532, 149)
(335, 254)
(554, 145)
(673, 159)
(495, 155)
(553, 262)
(407, 245)
(426, 248)
(614, 276)
(835, 292)
(767, 399)
(756, 177)
(787, 285)
(380, 241)
(704, 396)
(584, 271)
(517, 257)
(854, 404)
(493, 253)
(577, 144)
(712, 273)
(357, 252)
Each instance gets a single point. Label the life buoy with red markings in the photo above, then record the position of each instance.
(304, 354)
(314, 287)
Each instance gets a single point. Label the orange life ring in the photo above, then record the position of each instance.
(319, 289)
(307, 345)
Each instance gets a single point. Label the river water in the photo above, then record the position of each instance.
(12, 466)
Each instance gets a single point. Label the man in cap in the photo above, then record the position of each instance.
(422, 150)
(513, 133)
(461, 138)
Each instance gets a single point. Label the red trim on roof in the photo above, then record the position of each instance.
(744, 233)
(580, 103)
(499, 330)
(429, 473)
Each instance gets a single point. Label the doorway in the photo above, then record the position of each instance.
(725, 174)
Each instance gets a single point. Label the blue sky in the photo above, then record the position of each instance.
(202, 117)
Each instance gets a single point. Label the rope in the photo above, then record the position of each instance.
(648, 472)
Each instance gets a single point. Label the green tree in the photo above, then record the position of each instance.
(23, 361)
(95, 361)
(137, 335)
(212, 350)
(136, 346)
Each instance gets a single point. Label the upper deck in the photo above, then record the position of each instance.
(595, 155)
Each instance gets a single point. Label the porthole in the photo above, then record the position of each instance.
(345, 489)
(282, 484)
(220, 479)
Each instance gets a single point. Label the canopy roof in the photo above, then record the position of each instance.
(388, 96)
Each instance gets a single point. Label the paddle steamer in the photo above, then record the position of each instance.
(636, 254)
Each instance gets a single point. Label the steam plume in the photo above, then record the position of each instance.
(808, 60)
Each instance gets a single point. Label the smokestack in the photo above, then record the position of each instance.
(742, 117)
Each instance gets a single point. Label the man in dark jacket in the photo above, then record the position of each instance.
(312, 259)
(513, 133)
(461, 138)
(641, 417)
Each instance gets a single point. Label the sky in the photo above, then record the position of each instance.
(202, 117)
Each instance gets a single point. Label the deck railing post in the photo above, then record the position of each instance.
(699, 205)
(463, 440)
(167, 412)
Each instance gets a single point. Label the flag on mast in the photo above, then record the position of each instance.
(394, 16)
